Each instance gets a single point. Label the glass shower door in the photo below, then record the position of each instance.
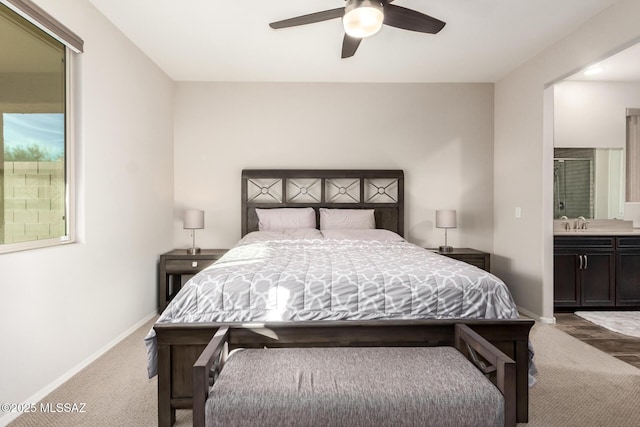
(572, 188)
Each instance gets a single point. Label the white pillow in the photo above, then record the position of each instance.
(347, 219)
(285, 218)
(289, 234)
(380, 235)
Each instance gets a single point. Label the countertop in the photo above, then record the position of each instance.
(595, 227)
(574, 233)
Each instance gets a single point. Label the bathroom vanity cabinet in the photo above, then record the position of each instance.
(628, 271)
(596, 272)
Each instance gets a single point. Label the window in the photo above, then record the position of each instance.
(35, 145)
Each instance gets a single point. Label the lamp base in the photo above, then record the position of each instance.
(445, 248)
(193, 251)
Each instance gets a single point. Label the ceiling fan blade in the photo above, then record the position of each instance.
(407, 19)
(349, 46)
(309, 19)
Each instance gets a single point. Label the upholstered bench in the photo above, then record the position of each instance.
(358, 386)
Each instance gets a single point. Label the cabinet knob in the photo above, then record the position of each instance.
(194, 264)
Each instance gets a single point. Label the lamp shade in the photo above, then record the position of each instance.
(446, 219)
(193, 218)
(362, 18)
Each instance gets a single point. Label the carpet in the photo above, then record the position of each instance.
(622, 322)
(579, 385)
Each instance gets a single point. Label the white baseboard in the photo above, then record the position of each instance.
(37, 397)
(547, 320)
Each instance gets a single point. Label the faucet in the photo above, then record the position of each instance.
(565, 222)
(581, 223)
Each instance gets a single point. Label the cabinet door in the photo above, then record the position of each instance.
(566, 292)
(628, 278)
(597, 279)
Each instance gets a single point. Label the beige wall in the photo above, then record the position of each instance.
(64, 305)
(441, 135)
(523, 248)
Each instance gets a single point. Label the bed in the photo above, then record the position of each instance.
(326, 246)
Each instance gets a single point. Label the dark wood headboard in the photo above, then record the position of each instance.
(382, 190)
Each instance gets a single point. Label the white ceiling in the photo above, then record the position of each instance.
(621, 67)
(214, 40)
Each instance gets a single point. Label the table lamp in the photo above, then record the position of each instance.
(193, 220)
(446, 219)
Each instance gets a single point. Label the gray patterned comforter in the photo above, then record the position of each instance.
(329, 279)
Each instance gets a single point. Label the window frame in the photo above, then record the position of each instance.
(40, 20)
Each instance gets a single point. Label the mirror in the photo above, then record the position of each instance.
(588, 182)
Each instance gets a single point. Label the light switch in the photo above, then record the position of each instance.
(518, 212)
(194, 264)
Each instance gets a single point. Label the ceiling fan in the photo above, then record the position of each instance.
(364, 18)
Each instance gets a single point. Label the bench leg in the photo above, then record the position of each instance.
(522, 381)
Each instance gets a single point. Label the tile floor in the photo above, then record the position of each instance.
(623, 347)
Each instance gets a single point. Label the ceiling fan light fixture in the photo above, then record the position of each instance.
(362, 18)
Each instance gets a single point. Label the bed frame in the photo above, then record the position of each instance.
(180, 344)
(382, 190)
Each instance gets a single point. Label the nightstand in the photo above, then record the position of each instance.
(177, 266)
(470, 256)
